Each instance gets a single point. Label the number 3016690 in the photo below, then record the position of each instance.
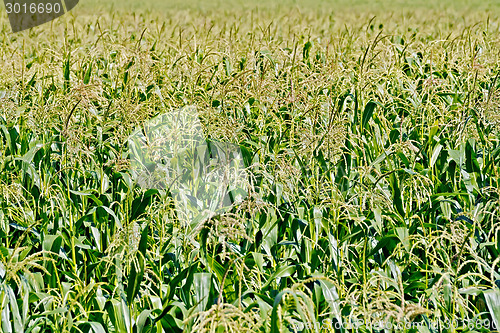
(33, 8)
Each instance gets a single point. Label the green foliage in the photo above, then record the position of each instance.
(373, 154)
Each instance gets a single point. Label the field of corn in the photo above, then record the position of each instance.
(371, 140)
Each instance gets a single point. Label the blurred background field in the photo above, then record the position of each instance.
(376, 5)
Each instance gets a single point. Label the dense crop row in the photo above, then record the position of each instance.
(373, 154)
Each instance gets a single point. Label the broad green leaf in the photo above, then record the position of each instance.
(96, 327)
(435, 154)
(492, 298)
(281, 272)
(141, 320)
(202, 283)
(169, 325)
(367, 113)
(403, 236)
(331, 297)
(135, 277)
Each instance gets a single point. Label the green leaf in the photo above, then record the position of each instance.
(202, 283)
(140, 204)
(306, 50)
(331, 297)
(141, 320)
(367, 113)
(435, 154)
(403, 236)
(274, 312)
(119, 315)
(283, 271)
(86, 77)
(492, 298)
(137, 269)
(396, 195)
(96, 327)
(217, 268)
(383, 242)
(66, 72)
(143, 243)
(471, 163)
(169, 325)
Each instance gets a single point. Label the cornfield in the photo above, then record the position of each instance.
(370, 138)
